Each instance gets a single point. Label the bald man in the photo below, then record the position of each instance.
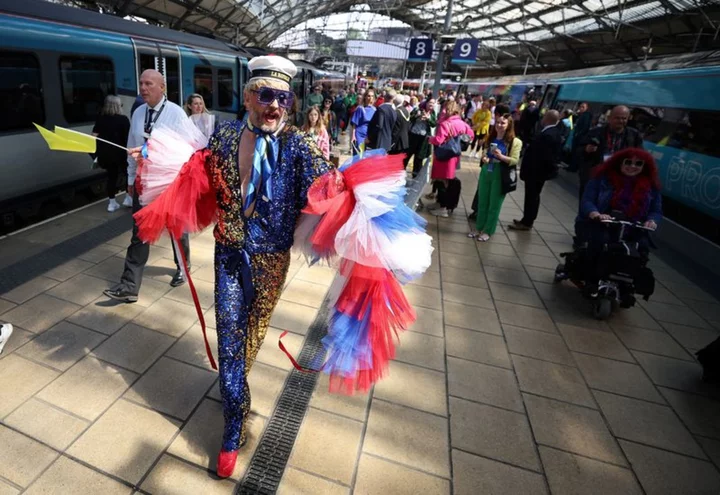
(539, 164)
(601, 143)
(156, 110)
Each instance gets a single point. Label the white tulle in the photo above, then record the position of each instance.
(169, 148)
(364, 241)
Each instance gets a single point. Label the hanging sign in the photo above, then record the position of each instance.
(420, 50)
(465, 51)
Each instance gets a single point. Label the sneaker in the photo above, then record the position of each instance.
(121, 294)
(440, 212)
(473, 154)
(113, 205)
(128, 201)
(6, 330)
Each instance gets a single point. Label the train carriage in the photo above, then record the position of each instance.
(58, 63)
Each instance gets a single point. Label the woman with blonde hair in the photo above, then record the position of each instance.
(198, 113)
(444, 164)
(503, 151)
(315, 126)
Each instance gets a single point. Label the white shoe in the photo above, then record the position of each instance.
(113, 205)
(473, 154)
(128, 201)
(6, 330)
(440, 212)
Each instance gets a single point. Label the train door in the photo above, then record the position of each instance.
(548, 100)
(164, 59)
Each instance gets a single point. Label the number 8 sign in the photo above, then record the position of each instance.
(421, 50)
(465, 51)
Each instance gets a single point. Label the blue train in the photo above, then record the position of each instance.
(674, 102)
(58, 63)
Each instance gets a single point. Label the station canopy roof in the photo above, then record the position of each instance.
(543, 34)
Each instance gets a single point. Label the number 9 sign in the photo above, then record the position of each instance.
(421, 50)
(465, 51)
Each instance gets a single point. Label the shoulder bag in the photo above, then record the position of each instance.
(449, 149)
(508, 175)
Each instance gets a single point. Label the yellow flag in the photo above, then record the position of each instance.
(61, 143)
(89, 142)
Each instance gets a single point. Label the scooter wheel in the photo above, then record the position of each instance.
(602, 308)
(560, 274)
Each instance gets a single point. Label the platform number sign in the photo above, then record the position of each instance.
(465, 51)
(420, 50)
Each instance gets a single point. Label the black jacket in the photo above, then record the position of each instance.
(603, 137)
(380, 129)
(400, 136)
(541, 158)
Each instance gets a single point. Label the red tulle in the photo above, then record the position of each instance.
(328, 194)
(374, 295)
(187, 205)
(371, 169)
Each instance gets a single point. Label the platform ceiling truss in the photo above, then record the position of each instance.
(538, 33)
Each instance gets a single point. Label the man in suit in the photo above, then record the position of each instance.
(401, 136)
(157, 110)
(539, 164)
(380, 129)
(601, 143)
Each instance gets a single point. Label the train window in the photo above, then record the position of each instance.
(172, 80)
(225, 88)
(203, 84)
(85, 82)
(20, 91)
(697, 131)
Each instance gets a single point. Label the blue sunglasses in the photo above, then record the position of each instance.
(265, 96)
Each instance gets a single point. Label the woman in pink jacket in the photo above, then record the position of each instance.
(450, 126)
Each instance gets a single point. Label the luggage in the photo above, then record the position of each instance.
(449, 197)
(709, 358)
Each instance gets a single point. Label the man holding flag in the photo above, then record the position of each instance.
(157, 110)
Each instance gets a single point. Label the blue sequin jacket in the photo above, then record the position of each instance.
(271, 226)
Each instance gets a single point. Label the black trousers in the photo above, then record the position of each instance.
(138, 253)
(533, 188)
(415, 144)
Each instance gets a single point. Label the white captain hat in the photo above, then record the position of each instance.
(272, 67)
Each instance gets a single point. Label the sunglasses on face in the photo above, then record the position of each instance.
(265, 96)
(629, 162)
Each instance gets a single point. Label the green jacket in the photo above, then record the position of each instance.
(350, 100)
(432, 123)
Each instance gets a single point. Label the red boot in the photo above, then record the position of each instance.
(226, 463)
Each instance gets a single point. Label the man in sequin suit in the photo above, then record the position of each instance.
(259, 171)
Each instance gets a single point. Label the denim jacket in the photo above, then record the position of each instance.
(598, 195)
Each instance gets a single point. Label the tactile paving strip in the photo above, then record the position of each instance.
(268, 464)
(23, 271)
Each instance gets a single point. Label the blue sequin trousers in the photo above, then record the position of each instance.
(242, 323)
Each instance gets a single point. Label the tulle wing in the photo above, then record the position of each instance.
(358, 214)
(167, 150)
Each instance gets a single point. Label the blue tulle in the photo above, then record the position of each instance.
(349, 343)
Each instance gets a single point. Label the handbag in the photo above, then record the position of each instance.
(449, 149)
(509, 177)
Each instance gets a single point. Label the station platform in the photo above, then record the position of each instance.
(505, 384)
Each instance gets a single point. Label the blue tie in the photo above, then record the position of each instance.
(264, 160)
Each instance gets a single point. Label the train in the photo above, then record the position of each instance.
(675, 104)
(58, 63)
